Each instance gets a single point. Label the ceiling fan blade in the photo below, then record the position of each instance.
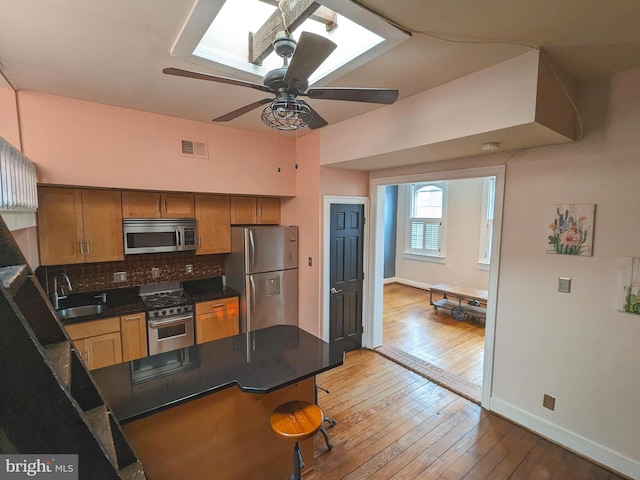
(241, 111)
(311, 51)
(316, 120)
(368, 95)
(214, 78)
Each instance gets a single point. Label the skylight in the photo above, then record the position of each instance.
(217, 35)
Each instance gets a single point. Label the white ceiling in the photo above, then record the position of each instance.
(113, 52)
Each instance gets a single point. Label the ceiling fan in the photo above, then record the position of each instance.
(286, 111)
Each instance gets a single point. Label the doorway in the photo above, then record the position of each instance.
(346, 275)
(373, 323)
(344, 299)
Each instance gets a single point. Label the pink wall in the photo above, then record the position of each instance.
(75, 142)
(304, 211)
(9, 116)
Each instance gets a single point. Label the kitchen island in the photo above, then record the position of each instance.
(206, 408)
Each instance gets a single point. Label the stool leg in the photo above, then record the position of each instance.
(298, 464)
(323, 431)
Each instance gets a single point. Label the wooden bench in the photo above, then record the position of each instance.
(463, 302)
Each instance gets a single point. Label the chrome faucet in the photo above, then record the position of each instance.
(56, 297)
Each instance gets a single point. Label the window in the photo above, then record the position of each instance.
(426, 218)
(217, 34)
(486, 220)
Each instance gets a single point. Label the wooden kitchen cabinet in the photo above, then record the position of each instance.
(213, 215)
(79, 225)
(217, 319)
(255, 211)
(133, 331)
(139, 204)
(97, 341)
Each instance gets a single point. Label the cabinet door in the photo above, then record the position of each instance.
(177, 205)
(103, 350)
(243, 210)
(268, 211)
(102, 225)
(133, 330)
(140, 204)
(214, 224)
(59, 226)
(217, 319)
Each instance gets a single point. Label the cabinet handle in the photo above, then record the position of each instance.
(81, 245)
(88, 247)
(199, 242)
(165, 206)
(159, 206)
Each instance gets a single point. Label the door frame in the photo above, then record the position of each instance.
(372, 336)
(329, 200)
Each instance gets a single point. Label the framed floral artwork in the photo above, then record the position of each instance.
(571, 229)
(630, 288)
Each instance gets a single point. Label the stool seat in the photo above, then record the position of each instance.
(296, 420)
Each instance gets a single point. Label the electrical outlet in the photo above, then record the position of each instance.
(310, 261)
(155, 272)
(189, 269)
(120, 277)
(549, 402)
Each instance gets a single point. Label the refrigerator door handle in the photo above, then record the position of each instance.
(252, 248)
(252, 295)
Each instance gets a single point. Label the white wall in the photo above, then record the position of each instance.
(464, 205)
(576, 347)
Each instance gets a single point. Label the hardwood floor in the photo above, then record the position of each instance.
(394, 424)
(455, 349)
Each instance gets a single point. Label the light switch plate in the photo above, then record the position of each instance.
(564, 285)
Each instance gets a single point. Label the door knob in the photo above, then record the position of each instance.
(333, 290)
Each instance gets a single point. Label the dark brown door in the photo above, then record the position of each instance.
(346, 276)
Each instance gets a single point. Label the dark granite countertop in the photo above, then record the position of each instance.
(124, 301)
(257, 362)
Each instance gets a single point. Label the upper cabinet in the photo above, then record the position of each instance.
(255, 211)
(214, 224)
(137, 204)
(79, 225)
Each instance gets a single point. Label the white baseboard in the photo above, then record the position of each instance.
(389, 280)
(410, 283)
(572, 441)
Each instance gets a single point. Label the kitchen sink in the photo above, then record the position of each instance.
(82, 311)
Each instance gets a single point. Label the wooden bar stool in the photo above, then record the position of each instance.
(297, 421)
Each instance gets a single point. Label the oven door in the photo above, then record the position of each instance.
(170, 333)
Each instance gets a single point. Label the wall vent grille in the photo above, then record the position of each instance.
(18, 183)
(191, 148)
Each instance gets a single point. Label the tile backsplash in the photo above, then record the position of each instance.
(89, 277)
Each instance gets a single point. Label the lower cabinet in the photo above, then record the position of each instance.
(108, 341)
(133, 330)
(217, 319)
(98, 341)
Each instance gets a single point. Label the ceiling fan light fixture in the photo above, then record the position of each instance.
(286, 114)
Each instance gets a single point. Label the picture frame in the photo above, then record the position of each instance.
(571, 229)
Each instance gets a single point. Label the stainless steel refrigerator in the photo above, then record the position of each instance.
(263, 268)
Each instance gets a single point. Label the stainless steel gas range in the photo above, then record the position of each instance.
(170, 318)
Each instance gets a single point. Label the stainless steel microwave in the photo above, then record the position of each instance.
(158, 235)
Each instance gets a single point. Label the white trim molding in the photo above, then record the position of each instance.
(568, 439)
(373, 321)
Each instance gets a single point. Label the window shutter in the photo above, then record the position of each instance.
(425, 235)
(432, 236)
(489, 238)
